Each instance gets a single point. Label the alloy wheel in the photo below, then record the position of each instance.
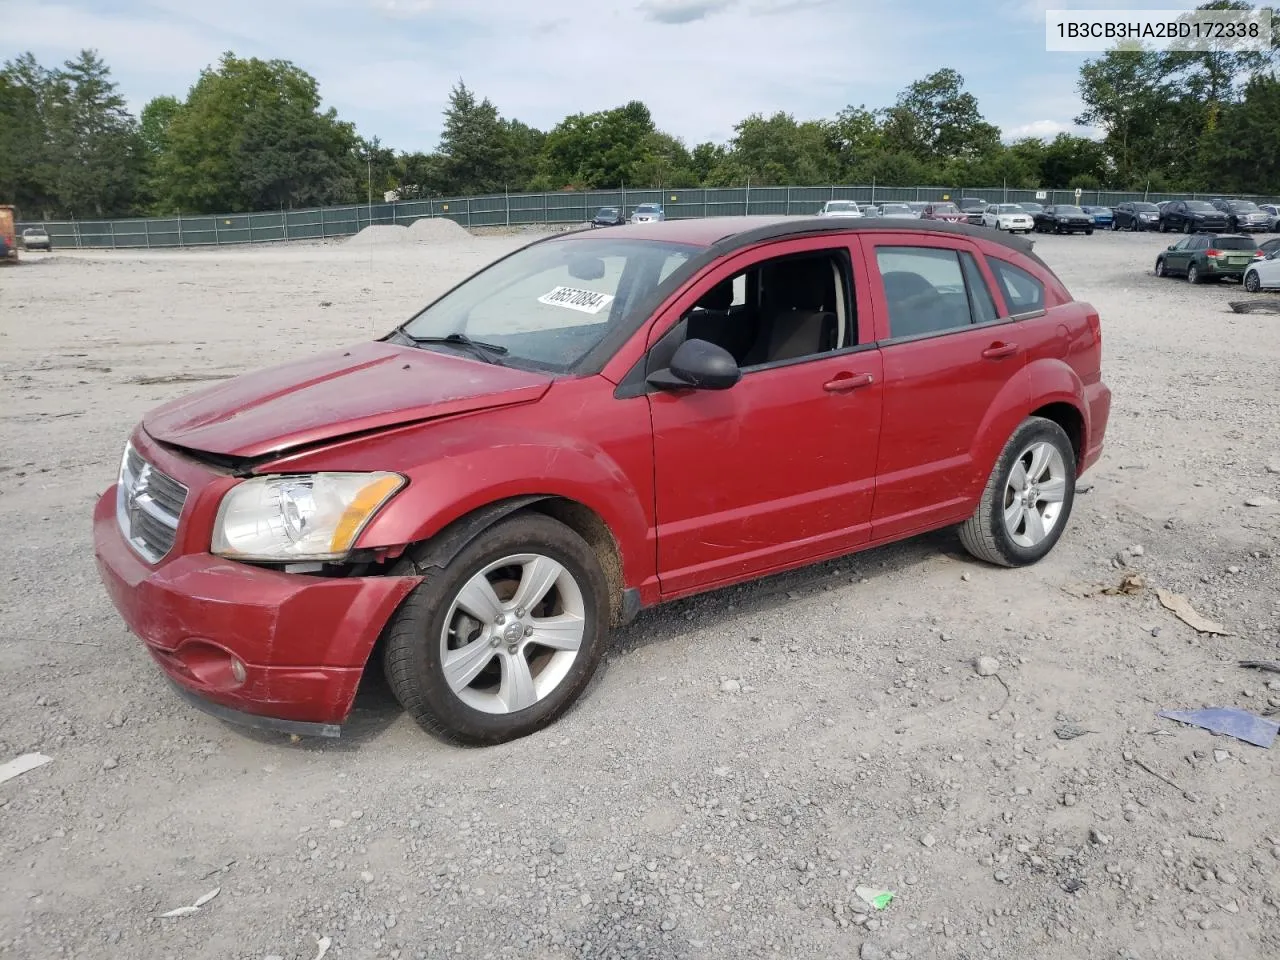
(1034, 494)
(512, 633)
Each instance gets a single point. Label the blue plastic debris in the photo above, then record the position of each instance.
(1234, 723)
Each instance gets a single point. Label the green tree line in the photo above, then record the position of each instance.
(251, 135)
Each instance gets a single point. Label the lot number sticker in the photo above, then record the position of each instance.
(586, 301)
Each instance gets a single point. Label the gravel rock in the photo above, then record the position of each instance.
(986, 666)
(1261, 502)
(870, 951)
(110, 763)
(558, 847)
(730, 686)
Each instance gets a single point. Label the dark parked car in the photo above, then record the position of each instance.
(973, 208)
(1243, 216)
(437, 498)
(1103, 217)
(1135, 215)
(1192, 216)
(608, 217)
(1207, 256)
(1031, 207)
(1063, 218)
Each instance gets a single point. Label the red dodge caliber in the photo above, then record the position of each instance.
(596, 423)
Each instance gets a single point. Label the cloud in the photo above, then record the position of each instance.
(403, 9)
(682, 11)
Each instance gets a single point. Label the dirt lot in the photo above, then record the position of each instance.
(672, 814)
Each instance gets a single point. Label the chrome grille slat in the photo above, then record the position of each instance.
(148, 506)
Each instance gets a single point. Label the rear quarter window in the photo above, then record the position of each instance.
(1023, 292)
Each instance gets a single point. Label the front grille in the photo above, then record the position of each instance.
(148, 506)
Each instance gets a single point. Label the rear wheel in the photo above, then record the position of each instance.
(1193, 274)
(1028, 497)
(1187, 227)
(500, 641)
(1089, 232)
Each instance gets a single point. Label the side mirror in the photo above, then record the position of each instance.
(1172, 246)
(700, 365)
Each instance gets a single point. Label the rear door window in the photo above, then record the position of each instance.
(925, 290)
(1022, 292)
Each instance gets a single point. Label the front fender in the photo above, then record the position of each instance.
(447, 488)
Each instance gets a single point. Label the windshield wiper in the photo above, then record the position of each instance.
(488, 352)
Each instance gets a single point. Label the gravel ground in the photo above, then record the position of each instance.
(744, 762)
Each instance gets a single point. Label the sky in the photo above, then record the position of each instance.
(700, 65)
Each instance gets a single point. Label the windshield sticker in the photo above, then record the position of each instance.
(587, 301)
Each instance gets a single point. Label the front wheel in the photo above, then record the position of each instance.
(498, 642)
(1193, 274)
(1028, 497)
(1251, 281)
(1089, 232)
(1160, 268)
(1187, 227)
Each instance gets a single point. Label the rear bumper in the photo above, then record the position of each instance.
(279, 650)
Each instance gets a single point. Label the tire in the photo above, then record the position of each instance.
(1251, 281)
(416, 636)
(1187, 227)
(987, 535)
(1193, 275)
(1163, 228)
(1115, 226)
(1160, 268)
(1089, 232)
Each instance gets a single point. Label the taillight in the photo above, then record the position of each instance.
(1213, 253)
(1259, 255)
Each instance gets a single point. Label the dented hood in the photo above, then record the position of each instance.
(365, 387)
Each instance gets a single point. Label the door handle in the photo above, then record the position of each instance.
(847, 382)
(998, 351)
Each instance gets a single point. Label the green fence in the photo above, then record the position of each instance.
(500, 210)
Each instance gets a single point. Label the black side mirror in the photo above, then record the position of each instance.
(1172, 246)
(700, 365)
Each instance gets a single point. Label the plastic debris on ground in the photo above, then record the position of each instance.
(1181, 608)
(20, 765)
(322, 945)
(1239, 724)
(1271, 665)
(193, 908)
(875, 898)
(1130, 584)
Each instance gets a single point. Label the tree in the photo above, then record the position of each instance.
(589, 150)
(935, 120)
(251, 136)
(93, 141)
(1246, 144)
(25, 173)
(153, 125)
(474, 144)
(778, 150)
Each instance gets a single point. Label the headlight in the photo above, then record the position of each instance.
(307, 517)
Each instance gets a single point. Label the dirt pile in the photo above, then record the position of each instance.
(438, 230)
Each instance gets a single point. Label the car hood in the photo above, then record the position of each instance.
(369, 386)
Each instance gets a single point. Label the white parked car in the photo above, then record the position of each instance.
(1264, 274)
(647, 213)
(897, 211)
(1008, 216)
(840, 208)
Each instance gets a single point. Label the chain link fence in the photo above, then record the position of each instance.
(523, 209)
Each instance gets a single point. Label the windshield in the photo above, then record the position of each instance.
(894, 208)
(1031, 207)
(841, 205)
(1200, 205)
(1068, 211)
(1009, 208)
(551, 303)
(607, 212)
(1243, 206)
(1146, 208)
(647, 208)
(945, 208)
(1235, 243)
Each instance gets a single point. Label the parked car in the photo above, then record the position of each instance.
(868, 209)
(973, 208)
(1272, 211)
(945, 211)
(1207, 256)
(1063, 218)
(648, 213)
(1191, 216)
(438, 494)
(36, 238)
(897, 211)
(1008, 216)
(608, 217)
(1032, 208)
(917, 206)
(840, 208)
(1103, 217)
(1264, 273)
(1135, 215)
(1243, 216)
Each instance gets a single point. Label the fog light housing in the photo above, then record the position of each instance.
(237, 670)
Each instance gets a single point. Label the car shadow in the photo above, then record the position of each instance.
(376, 709)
